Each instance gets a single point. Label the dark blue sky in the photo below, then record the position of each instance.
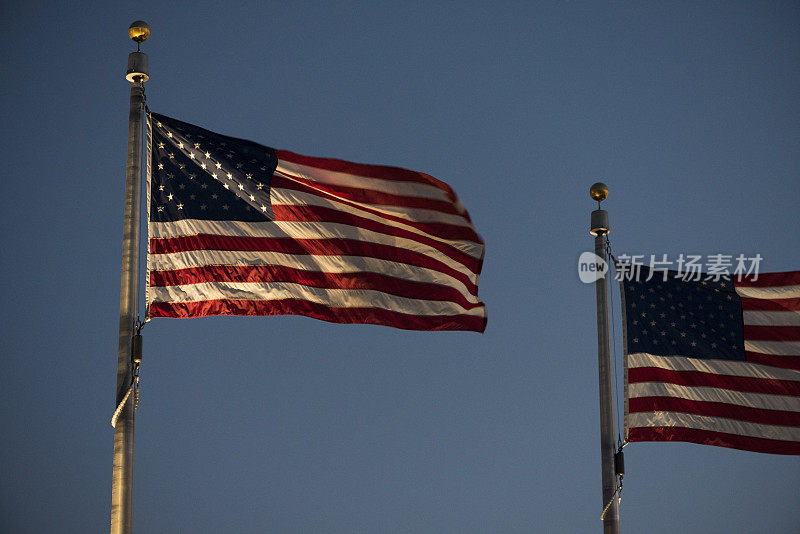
(689, 111)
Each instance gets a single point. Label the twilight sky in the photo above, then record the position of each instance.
(689, 111)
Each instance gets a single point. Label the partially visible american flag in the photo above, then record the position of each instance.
(714, 362)
(237, 228)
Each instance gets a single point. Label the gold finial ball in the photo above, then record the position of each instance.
(598, 191)
(139, 31)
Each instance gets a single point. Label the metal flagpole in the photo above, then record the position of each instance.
(122, 485)
(599, 229)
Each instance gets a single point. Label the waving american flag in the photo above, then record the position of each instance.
(714, 361)
(237, 228)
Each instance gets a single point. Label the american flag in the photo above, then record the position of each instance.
(713, 361)
(237, 228)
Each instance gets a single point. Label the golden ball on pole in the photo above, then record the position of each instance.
(598, 191)
(139, 31)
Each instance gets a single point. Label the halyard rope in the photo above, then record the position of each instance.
(118, 411)
(611, 500)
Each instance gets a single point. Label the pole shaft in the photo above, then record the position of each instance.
(122, 485)
(607, 443)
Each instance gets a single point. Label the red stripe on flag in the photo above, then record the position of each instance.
(696, 378)
(381, 172)
(714, 409)
(265, 274)
(295, 212)
(720, 439)
(791, 278)
(445, 230)
(792, 304)
(317, 311)
(286, 213)
(309, 247)
(784, 362)
(370, 196)
(771, 333)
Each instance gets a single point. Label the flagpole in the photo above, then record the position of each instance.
(600, 229)
(122, 481)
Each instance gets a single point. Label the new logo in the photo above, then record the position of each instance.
(591, 267)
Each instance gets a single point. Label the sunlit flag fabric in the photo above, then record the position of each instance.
(714, 362)
(237, 228)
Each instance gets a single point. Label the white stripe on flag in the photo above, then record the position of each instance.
(188, 227)
(772, 318)
(342, 231)
(777, 348)
(718, 367)
(772, 293)
(337, 298)
(708, 394)
(325, 264)
(393, 187)
(713, 424)
(290, 196)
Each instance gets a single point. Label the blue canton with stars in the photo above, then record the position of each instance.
(198, 174)
(691, 318)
